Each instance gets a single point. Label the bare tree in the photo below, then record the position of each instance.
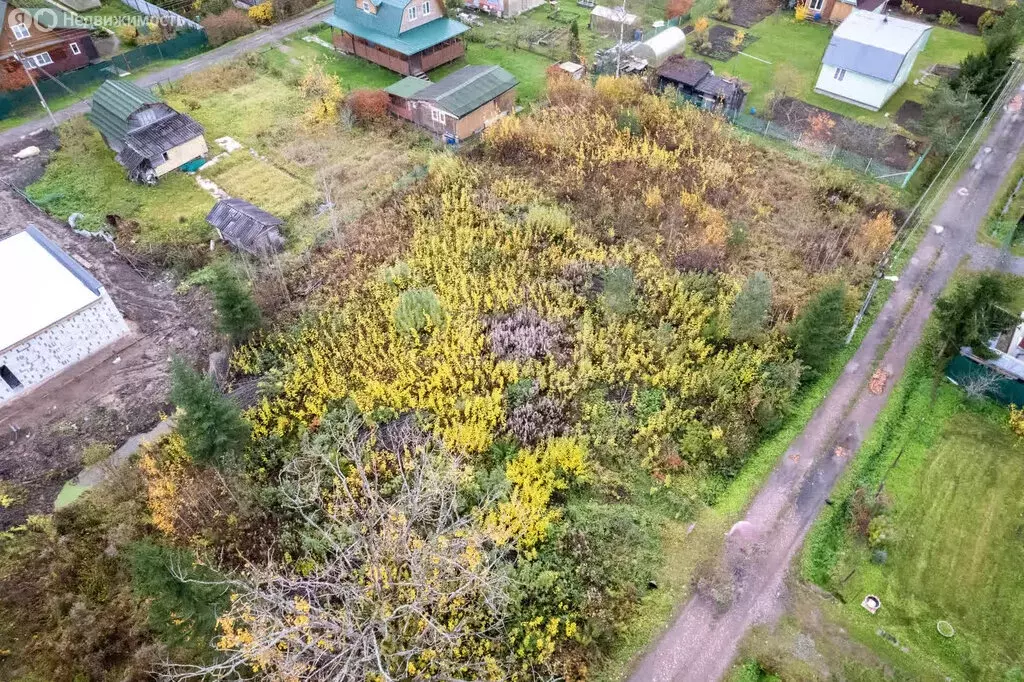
(405, 588)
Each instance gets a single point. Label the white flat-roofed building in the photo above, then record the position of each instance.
(53, 313)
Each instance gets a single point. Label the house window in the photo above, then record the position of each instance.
(36, 60)
(8, 378)
(75, 49)
(426, 8)
(166, 157)
(839, 74)
(437, 116)
(366, 5)
(20, 31)
(412, 12)
(815, 5)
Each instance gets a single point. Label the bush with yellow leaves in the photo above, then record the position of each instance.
(263, 13)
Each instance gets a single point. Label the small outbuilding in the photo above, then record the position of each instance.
(695, 80)
(657, 49)
(246, 227)
(459, 105)
(150, 138)
(573, 70)
(53, 313)
(611, 21)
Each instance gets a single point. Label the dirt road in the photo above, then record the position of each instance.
(198, 63)
(702, 642)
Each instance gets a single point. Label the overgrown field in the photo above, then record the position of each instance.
(932, 525)
(506, 389)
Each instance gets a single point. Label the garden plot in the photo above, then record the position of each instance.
(746, 13)
(722, 42)
(816, 126)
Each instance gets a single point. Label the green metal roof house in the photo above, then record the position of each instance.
(149, 137)
(409, 37)
(459, 105)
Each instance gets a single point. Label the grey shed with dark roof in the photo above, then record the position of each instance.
(138, 126)
(247, 227)
(468, 89)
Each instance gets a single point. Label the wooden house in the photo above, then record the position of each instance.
(409, 37)
(37, 40)
(246, 227)
(459, 105)
(149, 137)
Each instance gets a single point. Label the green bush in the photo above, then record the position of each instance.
(238, 315)
(948, 19)
(417, 310)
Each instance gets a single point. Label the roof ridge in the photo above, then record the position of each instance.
(466, 82)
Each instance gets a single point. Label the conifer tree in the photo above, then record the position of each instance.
(237, 313)
(211, 423)
(818, 332)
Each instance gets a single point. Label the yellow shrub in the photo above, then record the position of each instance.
(263, 13)
(1017, 420)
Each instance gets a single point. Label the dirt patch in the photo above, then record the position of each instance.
(909, 114)
(111, 395)
(894, 150)
(720, 44)
(946, 71)
(746, 13)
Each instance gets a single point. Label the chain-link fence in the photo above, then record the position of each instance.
(831, 151)
(79, 82)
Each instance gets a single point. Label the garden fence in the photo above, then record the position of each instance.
(833, 152)
(80, 81)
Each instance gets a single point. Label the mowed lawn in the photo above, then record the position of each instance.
(957, 514)
(354, 73)
(801, 45)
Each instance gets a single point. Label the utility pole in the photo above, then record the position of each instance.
(622, 30)
(42, 100)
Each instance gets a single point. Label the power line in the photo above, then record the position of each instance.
(892, 253)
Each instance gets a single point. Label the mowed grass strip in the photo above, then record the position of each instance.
(957, 516)
(246, 176)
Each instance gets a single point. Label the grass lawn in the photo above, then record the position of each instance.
(83, 178)
(799, 47)
(957, 520)
(356, 73)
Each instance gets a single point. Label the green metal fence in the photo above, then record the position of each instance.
(80, 81)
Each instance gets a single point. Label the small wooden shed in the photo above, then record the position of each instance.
(246, 227)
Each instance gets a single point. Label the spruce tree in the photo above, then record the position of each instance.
(819, 331)
(237, 313)
(211, 423)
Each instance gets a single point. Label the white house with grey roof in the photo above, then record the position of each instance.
(869, 57)
(53, 313)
